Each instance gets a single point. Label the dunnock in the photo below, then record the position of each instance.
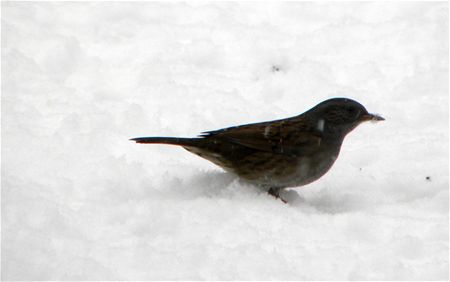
(281, 153)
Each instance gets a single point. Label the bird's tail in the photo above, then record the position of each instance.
(167, 140)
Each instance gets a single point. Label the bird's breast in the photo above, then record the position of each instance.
(283, 172)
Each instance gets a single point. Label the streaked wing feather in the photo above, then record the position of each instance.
(283, 137)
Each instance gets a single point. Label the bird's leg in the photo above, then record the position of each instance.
(276, 193)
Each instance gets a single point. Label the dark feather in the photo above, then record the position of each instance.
(289, 136)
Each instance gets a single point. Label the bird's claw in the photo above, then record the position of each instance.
(276, 193)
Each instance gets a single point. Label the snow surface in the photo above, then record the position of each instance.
(81, 202)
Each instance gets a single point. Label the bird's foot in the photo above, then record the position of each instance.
(276, 193)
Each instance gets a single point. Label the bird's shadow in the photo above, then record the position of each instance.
(218, 184)
(325, 203)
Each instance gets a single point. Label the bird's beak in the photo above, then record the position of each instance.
(371, 117)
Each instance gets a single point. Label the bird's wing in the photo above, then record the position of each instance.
(283, 136)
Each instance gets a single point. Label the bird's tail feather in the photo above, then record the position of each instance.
(167, 140)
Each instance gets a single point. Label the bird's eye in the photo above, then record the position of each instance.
(352, 112)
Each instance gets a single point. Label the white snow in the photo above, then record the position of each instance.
(81, 202)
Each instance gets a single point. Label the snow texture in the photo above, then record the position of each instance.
(81, 202)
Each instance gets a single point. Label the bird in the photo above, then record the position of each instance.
(279, 154)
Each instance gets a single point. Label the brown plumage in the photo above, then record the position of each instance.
(281, 153)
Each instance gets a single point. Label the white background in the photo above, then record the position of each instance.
(80, 201)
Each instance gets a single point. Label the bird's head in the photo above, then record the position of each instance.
(339, 116)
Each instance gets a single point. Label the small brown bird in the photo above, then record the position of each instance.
(281, 153)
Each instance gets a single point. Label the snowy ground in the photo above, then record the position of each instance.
(80, 201)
